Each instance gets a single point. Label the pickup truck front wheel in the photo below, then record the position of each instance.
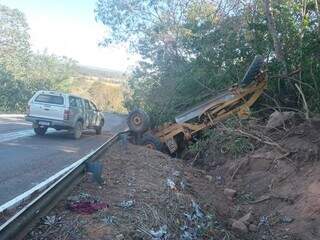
(40, 131)
(77, 130)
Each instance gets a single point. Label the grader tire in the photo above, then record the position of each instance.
(138, 121)
(252, 71)
(151, 141)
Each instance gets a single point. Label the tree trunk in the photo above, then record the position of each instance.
(284, 92)
(275, 36)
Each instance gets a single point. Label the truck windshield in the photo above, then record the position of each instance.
(52, 99)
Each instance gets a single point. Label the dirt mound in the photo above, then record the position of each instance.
(279, 185)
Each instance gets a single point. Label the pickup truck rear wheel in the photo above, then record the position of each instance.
(77, 131)
(99, 128)
(40, 131)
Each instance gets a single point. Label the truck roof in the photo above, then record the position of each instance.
(58, 93)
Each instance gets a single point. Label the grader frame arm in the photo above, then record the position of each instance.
(237, 101)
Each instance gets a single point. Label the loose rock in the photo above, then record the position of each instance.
(253, 228)
(230, 193)
(277, 119)
(239, 227)
(246, 219)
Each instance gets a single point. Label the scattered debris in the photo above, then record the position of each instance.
(219, 180)
(209, 177)
(161, 234)
(78, 198)
(188, 233)
(176, 173)
(263, 221)
(286, 219)
(109, 220)
(127, 203)
(49, 220)
(171, 184)
(86, 207)
(197, 210)
(120, 237)
(183, 185)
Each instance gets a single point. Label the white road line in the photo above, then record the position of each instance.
(27, 195)
(12, 115)
(5, 137)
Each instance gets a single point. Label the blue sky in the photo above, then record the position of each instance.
(68, 27)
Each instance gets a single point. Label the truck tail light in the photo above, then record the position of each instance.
(66, 115)
(28, 110)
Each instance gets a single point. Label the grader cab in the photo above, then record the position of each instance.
(173, 137)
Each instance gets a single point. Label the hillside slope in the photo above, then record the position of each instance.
(272, 193)
(106, 88)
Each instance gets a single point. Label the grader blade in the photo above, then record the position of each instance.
(203, 107)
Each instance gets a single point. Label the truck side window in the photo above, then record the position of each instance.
(72, 102)
(79, 102)
(87, 105)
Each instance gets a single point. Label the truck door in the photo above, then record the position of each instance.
(95, 117)
(89, 113)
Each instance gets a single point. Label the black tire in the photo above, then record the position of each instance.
(151, 141)
(252, 71)
(138, 121)
(77, 130)
(99, 128)
(40, 131)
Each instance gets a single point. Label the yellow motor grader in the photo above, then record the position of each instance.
(172, 137)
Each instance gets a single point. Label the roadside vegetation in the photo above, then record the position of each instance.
(22, 71)
(191, 49)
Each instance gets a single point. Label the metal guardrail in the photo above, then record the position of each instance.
(22, 222)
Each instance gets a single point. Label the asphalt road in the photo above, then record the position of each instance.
(26, 159)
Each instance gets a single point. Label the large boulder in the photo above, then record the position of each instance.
(278, 119)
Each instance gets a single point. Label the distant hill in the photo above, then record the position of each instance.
(100, 73)
(103, 86)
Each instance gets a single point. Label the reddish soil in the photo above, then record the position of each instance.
(141, 175)
(279, 186)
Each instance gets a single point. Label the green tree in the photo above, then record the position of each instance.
(49, 71)
(23, 72)
(14, 41)
(192, 48)
(14, 94)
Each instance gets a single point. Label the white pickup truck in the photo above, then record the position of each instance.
(51, 109)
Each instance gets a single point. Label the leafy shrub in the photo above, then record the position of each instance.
(217, 144)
